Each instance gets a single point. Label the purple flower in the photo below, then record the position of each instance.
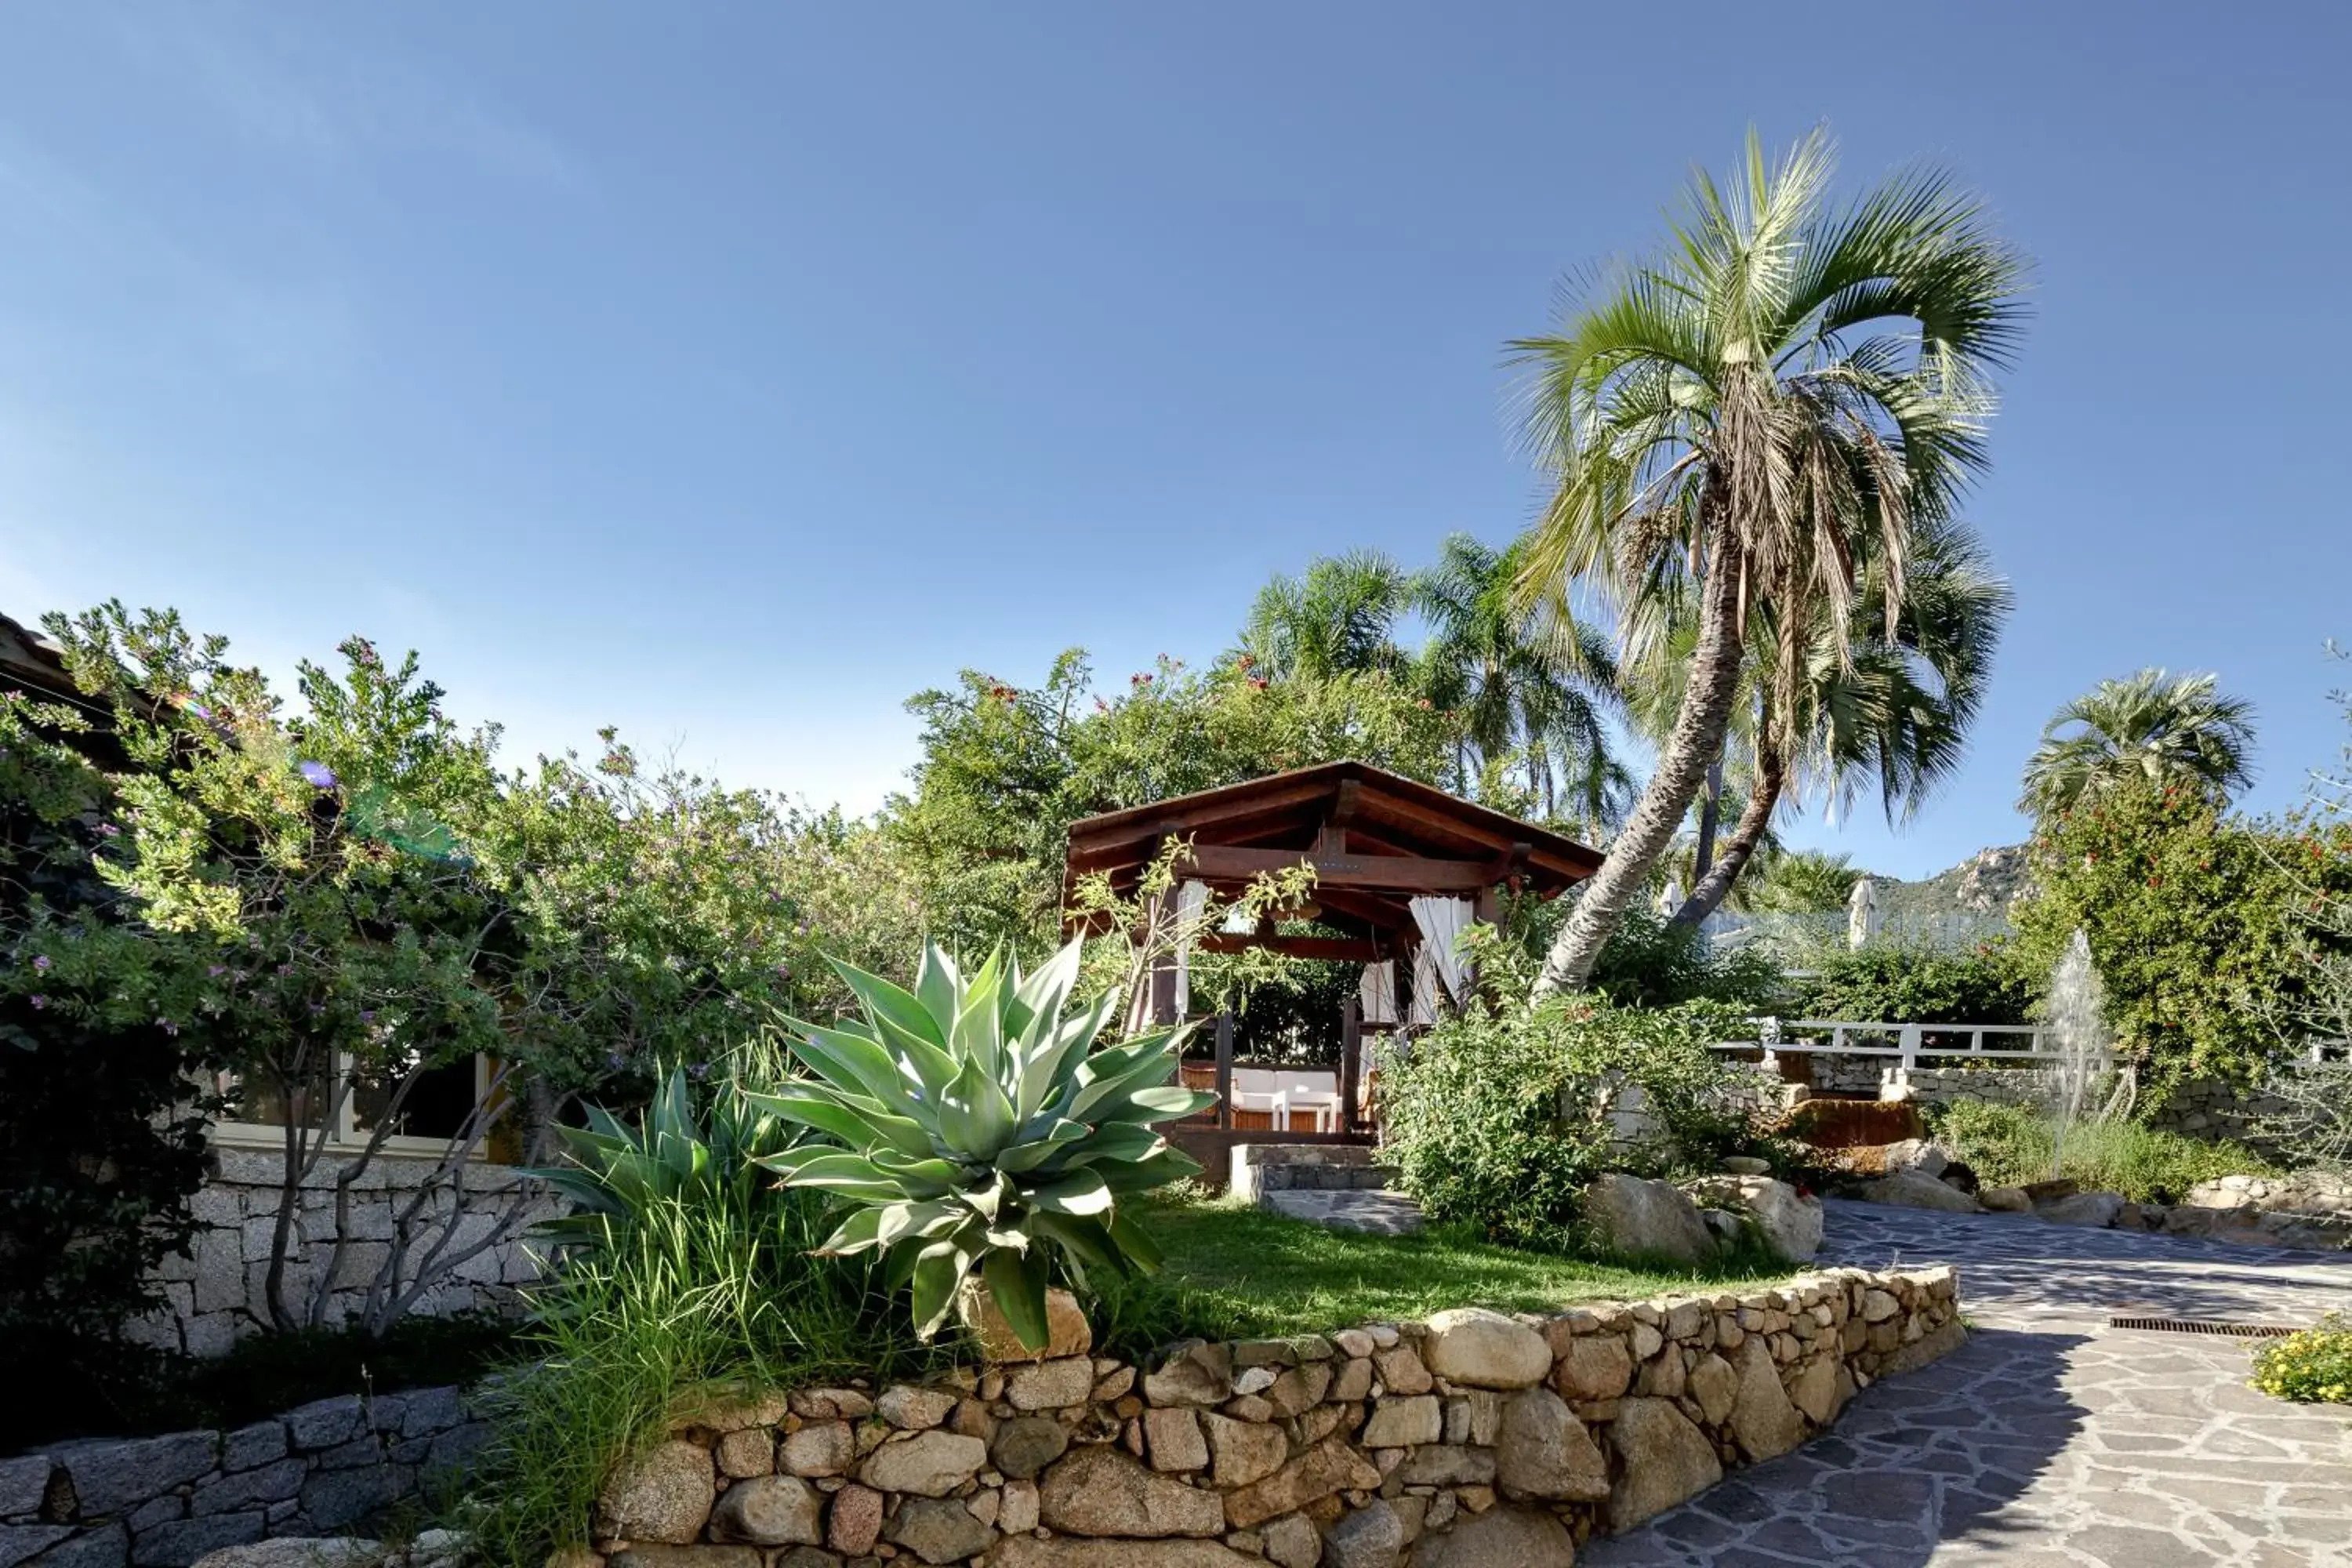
(699, 1070)
(320, 776)
(613, 1060)
(317, 1008)
(42, 963)
(168, 1027)
(367, 1015)
(284, 970)
(108, 830)
(38, 1002)
(217, 970)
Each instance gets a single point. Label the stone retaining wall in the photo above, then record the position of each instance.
(1472, 1440)
(1260, 1168)
(216, 1294)
(163, 1502)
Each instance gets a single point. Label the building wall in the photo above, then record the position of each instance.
(218, 1292)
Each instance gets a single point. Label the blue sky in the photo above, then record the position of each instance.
(730, 372)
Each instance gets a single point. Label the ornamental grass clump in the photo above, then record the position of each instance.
(2314, 1367)
(973, 1126)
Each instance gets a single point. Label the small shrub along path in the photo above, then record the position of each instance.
(2050, 1439)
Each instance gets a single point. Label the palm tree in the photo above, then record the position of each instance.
(1523, 683)
(1727, 421)
(1340, 615)
(2155, 726)
(1802, 882)
(1893, 710)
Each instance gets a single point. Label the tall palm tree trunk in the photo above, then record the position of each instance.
(1763, 797)
(1696, 739)
(1710, 821)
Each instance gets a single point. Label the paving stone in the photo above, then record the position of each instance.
(2048, 1438)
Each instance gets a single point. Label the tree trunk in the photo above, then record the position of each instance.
(1763, 798)
(1696, 739)
(1710, 818)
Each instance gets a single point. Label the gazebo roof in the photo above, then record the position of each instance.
(1375, 839)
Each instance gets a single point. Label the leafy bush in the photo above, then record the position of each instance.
(1500, 1120)
(2187, 913)
(1652, 961)
(976, 1129)
(2313, 1367)
(2009, 1145)
(686, 1270)
(1898, 985)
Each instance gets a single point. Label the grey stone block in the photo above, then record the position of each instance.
(18, 1542)
(337, 1499)
(156, 1511)
(460, 1444)
(114, 1478)
(182, 1542)
(259, 1443)
(385, 1412)
(278, 1482)
(108, 1546)
(361, 1451)
(280, 1512)
(428, 1410)
(325, 1423)
(211, 1335)
(22, 1484)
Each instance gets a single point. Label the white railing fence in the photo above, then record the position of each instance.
(1904, 1048)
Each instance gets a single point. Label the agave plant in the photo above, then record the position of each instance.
(977, 1127)
(676, 1157)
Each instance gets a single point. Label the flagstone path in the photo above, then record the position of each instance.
(2049, 1440)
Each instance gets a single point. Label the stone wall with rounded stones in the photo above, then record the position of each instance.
(1472, 1440)
(162, 1502)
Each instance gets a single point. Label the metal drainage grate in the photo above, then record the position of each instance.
(2202, 1326)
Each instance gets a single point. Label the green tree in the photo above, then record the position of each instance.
(2153, 727)
(1540, 688)
(1005, 770)
(1338, 618)
(1889, 708)
(2191, 920)
(1802, 882)
(1730, 420)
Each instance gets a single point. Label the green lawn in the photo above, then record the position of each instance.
(1240, 1272)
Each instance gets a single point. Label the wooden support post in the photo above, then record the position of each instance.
(1225, 1070)
(1351, 1039)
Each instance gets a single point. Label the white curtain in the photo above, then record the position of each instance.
(1376, 993)
(1441, 924)
(1191, 902)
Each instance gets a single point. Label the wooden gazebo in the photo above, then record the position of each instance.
(1376, 840)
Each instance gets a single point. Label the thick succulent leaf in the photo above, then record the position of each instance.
(855, 1063)
(1136, 1248)
(979, 1033)
(975, 1118)
(930, 1171)
(1082, 1193)
(939, 988)
(1119, 1142)
(819, 1107)
(1018, 1283)
(1107, 1096)
(932, 1067)
(930, 1220)
(861, 1230)
(1038, 998)
(884, 1000)
(1019, 1158)
(1171, 1164)
(1051, 1070)
(852, 1175)
(1085, 1239)
(939, 1268)
(1164, 1102)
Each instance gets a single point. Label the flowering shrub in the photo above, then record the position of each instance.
(2314, 1367)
